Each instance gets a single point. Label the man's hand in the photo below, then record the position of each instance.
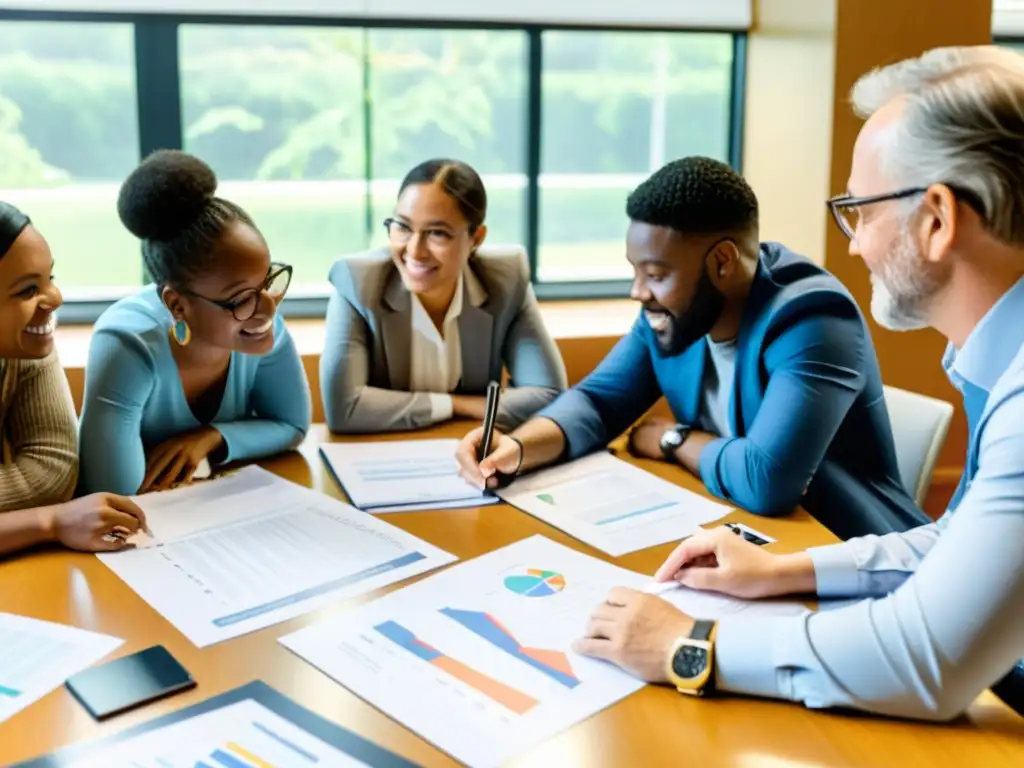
(174, 461)
(100, 522)
(506, 457)
(635, 631)
(720, 561)
(645, 439)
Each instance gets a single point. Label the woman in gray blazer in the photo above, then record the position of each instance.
(415, 331)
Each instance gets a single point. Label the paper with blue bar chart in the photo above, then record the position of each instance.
(402, 475)
(242, 735)
(243, 552)
(477, 658)
(612, 505)
(38, 656)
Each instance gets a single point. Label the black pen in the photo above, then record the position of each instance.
(490, 415)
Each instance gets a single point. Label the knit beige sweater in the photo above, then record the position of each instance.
(38, 430)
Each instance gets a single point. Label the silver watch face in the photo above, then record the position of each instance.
(672, 439)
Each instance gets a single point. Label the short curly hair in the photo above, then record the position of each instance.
(169, 203)
(696, 196)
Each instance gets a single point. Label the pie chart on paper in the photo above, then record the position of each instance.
(534, 582)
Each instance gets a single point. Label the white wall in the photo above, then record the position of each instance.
(721, 14)
(787, 144)
(1008, 17)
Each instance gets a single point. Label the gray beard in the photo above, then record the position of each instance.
(900, 291)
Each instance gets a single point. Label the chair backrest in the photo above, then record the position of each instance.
(919, 428)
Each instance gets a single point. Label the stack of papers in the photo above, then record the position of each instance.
(402, 476)
(249, 550)
(37, 656)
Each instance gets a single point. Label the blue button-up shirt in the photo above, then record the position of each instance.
(944, 618)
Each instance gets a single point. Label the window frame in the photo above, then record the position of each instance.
(158, 104)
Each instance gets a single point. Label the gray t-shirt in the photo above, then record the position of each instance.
(716, 393)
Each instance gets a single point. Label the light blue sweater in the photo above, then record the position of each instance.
(134, 399)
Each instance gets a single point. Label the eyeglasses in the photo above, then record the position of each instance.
(243, 305)
(400, 233)
(844, 207)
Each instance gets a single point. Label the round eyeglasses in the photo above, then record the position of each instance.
(243, 305)
(400, 233)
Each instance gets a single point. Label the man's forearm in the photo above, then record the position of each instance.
(794, 575)
(25, 528)
(543, 443)
(469, 407)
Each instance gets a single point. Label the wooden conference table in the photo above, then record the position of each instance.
(651, 728)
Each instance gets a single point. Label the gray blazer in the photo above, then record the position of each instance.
(364, 369)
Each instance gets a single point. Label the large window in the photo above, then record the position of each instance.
(68, 137)
(617, 106)
(451, 93)
(278, 114)
(311, 123)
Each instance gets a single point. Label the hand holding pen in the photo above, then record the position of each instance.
(488, 458)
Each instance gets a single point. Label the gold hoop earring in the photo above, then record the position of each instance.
(181, 333)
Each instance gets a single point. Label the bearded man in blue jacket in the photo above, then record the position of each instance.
(763, 357)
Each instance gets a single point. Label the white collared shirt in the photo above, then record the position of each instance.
(436, 364)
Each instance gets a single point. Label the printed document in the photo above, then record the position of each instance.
(477, 659)
(240, 553)
(241, 735)
(402, 476)
(612, 505)
(38, 656)
(711, 605)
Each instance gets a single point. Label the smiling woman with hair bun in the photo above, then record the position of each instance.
(197, 365)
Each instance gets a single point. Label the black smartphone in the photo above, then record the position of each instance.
(130, 681)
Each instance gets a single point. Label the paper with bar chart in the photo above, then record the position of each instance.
(38, 656)
(612, 504)
(477, 659)
(402, 475)
(247, 551)
(242, 735)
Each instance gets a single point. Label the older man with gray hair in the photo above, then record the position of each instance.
(935, 208)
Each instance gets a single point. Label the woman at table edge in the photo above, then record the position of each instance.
(417, 330)
(38, 445)
(199, 364)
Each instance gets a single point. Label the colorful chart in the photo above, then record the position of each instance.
(510, 698)
(536, 583)
(234, 755)
(554, 664)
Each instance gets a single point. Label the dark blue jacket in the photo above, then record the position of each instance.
(807, 411)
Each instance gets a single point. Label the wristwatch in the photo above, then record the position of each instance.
(691, 665)
(672, 439)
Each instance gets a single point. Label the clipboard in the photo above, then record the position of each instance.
(257, 691)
